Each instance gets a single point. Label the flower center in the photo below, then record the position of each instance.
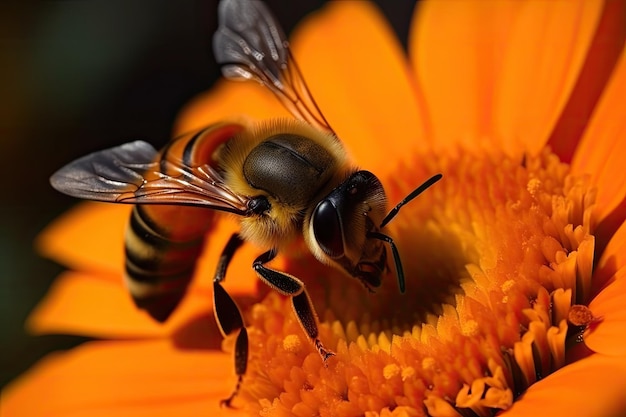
(495, 255)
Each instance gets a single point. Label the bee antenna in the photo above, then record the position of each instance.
(410, 197)
(396, 257)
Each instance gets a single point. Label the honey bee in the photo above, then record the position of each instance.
(284, 179)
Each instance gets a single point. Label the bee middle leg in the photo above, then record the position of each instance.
(228, 315)
(289, 285)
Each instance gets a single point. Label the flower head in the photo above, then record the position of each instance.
(514, 261)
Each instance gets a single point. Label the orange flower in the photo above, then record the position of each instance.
(513, 244)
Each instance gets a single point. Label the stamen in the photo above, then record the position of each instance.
(493, 268)
(580, 315)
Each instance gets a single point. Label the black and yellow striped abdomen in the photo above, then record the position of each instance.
(163, 242)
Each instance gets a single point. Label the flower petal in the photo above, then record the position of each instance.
(604, 52)
(150, 378)
(612, 261)
(226, 100)
(99, 305)
(90, 305)
(608, 336)
(89, 237)
(359, 76)
(593, 386)
(603, 146)
(240, 277)
(357, 73)
(95, 302)
(499, 69)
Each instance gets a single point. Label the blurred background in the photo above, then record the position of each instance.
(82, 75)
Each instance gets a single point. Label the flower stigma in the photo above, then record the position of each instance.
(498, 257)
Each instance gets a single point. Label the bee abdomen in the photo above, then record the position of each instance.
(160, 262)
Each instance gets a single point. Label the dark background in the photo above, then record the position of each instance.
(82, 75)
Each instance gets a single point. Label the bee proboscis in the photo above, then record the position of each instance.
(284, 179)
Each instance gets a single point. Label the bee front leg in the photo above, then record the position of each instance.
(289, 285)
(228, 315)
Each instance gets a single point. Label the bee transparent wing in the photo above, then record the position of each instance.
(249, 40)
(251, 45)
(129, 174)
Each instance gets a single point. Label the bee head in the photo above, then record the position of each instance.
(341, 227)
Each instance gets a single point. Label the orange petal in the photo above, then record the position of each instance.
(593, 386)
(604, 53)
(500, 70)
(98, 305)
(613, 259)
(88, 305)
(89, 237)
(240, 277)
(608, 336)
(95, 302)
(228, 99)
(149, 378)
(603, 146)
(359, 76)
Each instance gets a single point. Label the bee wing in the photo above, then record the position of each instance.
(129, 174)
(251, 45)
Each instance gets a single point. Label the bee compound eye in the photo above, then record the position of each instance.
(327, 229)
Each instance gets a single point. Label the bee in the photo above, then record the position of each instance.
(283, 180)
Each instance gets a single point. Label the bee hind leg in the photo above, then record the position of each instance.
(291, 286)
(228, 315)
(229, 320)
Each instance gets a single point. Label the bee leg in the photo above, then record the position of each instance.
(228, 316)
(289, 285)
(308, 319)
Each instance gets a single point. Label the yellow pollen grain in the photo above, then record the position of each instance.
(391, 370)
(470, 328)
(533, 186)
(428, 363)
(408, 372)
(507, 285)
(292, 343)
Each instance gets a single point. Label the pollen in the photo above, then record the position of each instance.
(470, 328)
(429, 363)
(292, 343)
(497, 259)
(390, 371)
